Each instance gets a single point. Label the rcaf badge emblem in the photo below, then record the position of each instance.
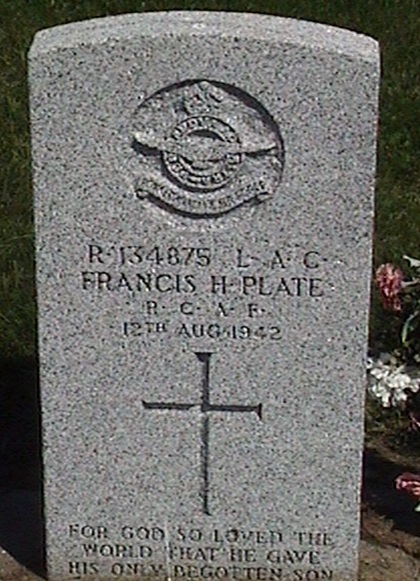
(205, 148)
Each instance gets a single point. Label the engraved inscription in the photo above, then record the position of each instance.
(205, 408)
(204, 148)
(190, 292)
(178, 551)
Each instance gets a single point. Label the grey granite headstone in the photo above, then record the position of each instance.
(203, 197)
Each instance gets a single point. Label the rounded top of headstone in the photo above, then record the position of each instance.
(194, 23)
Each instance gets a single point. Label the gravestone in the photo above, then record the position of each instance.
(203, 200)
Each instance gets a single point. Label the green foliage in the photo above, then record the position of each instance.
(395, 23)
(410, 332)
(391, 428)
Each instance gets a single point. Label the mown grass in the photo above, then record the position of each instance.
(395, 23)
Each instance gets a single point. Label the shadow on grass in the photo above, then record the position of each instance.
(380, 495)
(21, 524)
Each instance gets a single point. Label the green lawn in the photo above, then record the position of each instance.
(395, 23)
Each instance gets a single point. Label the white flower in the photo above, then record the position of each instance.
(380, 372)
(398, 397)
(398, 379)
(415, 386)
(389, 384)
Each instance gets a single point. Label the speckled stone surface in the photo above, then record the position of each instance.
(203, 199)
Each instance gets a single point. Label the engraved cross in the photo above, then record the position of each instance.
(205, 408)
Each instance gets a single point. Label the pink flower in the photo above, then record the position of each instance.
(389, 280)
(409, 483)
